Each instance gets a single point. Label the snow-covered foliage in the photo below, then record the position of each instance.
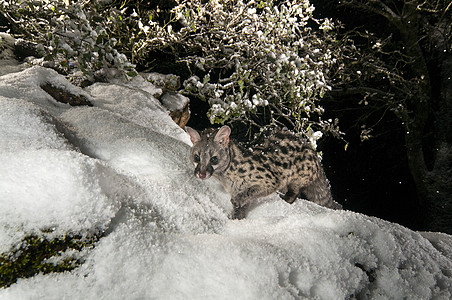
(122, 167)
(248, 58)
(76, 38)
(250, 54)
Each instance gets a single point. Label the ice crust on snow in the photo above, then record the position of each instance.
(122, 167)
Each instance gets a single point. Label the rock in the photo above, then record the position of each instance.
(64, 96)
(178, 105)
(167, 82)
(139, 82)
(8, 60)
(6, 46)
(24, 48)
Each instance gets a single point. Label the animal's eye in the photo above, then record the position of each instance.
(196, 158)
(214, 160)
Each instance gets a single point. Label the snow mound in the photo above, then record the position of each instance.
(122, 168)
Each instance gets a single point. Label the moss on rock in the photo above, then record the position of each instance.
(34, 255)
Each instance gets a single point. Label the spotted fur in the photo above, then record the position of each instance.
(281, 161)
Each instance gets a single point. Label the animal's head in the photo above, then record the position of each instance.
(210, 152)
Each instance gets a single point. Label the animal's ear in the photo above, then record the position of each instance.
(194, 135)
(222, 136)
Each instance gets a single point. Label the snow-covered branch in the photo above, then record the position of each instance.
(250, 55)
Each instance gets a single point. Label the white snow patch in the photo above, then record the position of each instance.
(174, 102)
(49, 189)
(137, 106)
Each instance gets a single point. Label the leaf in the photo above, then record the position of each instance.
(240, 83)
(132, 73)
(49, 57)
(206, 79)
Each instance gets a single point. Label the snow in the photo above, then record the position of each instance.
(174, 102)
(122, 167)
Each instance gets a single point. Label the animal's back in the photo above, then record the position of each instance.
(281, 160)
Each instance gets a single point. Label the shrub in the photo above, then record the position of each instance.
(251, 58)
(75, 39)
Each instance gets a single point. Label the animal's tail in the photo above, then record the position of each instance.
(318, 191)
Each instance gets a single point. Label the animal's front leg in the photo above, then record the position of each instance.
(239, 212)
(242, 200)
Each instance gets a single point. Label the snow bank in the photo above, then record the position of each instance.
(122, 167)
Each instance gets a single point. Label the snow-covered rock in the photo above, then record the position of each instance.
(178, 106)
(122, 167)
(8, 62)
